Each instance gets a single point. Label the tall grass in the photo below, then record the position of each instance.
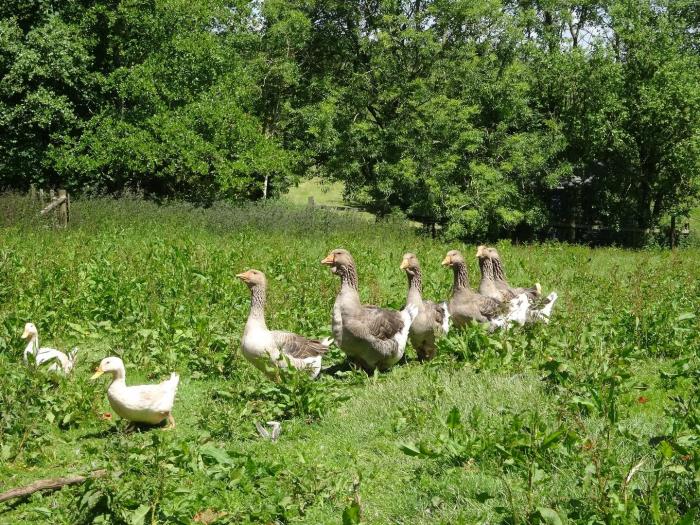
(528, 426)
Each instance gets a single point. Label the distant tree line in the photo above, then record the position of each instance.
(487, 117)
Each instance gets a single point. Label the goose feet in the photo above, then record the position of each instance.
(171, 423)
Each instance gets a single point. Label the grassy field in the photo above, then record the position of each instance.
(594, 418)
(328, 193)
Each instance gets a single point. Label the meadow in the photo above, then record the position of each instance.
(594, 418)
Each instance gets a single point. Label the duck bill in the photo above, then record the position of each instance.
(480, 251)
(447, 261)
(404, 265)
(26, 334)
(242, 276)
(97, 373)
(328, 260)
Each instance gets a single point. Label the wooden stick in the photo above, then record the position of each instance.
(49, 484)
(51, 206)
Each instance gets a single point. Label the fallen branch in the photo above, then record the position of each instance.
(49, 484)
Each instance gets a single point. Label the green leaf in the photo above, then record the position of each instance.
(549, 516)
(685, 316)
(217, 454)
(454, 419)
(351, 514)
(552, 439)
(689, 517)
(139, 515)
(409, 449)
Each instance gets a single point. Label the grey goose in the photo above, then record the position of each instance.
(372, 337)
(432, 320)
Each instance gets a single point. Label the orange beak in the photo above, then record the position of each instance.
(480, 251)
(330, 259)
(404, 264)
(447, 261)
(243, 276)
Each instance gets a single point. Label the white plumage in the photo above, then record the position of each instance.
(150, 404)
(61, 361)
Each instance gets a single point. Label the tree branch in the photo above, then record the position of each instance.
(49, 484)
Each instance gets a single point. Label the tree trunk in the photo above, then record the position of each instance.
(267, 178)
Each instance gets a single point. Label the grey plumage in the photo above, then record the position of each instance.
(466, 305)
(432, 319)
(493, 278)
(298, 346)
(371, 336)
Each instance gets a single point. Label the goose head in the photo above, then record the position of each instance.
(492, 253)
(482, 252)
(253, 278)
(109, 365)
(410, 264)
(339, 260)
(30, 331)
(453, 257)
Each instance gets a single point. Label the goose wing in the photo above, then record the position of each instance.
(298, 346)
(381, 323)
(437, 313)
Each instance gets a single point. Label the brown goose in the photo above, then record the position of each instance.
(432, 320)
(493, 278)
(264, 347)
(372, 337)
(466, 305)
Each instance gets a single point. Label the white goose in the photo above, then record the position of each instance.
(269, 350)
(61, 361)
(150, 404)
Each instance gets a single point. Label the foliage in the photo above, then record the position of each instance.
(593, 418)
(488, 118)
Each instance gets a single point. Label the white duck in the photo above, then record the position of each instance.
(61, 361)
(140, 403)
(272, 349)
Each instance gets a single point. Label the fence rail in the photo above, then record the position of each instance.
(57, 202)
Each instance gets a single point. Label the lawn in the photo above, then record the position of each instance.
(594, 418)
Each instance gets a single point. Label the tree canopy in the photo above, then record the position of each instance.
(488, 117)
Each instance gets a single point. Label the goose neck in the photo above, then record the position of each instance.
(32, 346)
(257, 305)
(487, 268)
(415, 287)
(348, 278)
(461, 278)
(498, 271)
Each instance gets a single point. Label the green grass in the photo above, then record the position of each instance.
(500, 428)
(326, 193)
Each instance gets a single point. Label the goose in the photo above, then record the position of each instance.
(372, 337)
(62, 362)
(150, 404)
(466, 305)
(540, 309)
(432, 320)
(493, 282)
(543, 314)
(263, 347)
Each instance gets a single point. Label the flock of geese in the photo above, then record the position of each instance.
(373, 338)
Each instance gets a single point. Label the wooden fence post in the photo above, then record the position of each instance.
(61, 206)
(63, 209)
